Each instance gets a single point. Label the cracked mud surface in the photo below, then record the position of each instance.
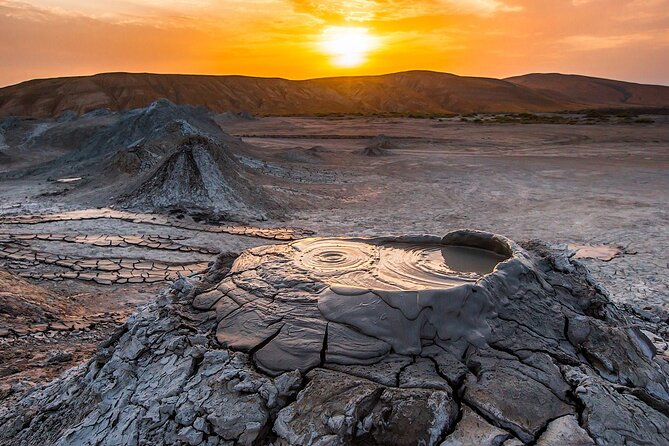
(555, 362)
(16, 248)
(94, 280)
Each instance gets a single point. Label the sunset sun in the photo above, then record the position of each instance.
(347, 46)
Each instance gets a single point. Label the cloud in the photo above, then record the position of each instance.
(157, 13)
(589, 42)
(368, 10)
(482, 7)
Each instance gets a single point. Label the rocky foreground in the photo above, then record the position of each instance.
(465, 339)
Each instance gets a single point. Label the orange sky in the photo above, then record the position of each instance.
(622, 39)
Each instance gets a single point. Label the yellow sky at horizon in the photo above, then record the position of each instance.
(622, 39)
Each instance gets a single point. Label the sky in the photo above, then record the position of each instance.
(299, 39)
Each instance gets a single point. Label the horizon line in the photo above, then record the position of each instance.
(146, 73)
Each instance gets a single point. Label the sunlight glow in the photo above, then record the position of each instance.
(348, 46)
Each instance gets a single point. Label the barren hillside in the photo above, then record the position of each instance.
(408, 92)
(595, 91)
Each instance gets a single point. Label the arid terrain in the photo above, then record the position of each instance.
(591, 183)
(418, 93)
(602, 184)
(99, 212)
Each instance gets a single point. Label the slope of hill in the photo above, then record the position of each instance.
(410, 92)
(595, 91)
(407, 92)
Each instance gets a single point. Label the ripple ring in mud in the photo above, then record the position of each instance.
(407, 266)
(335, 257)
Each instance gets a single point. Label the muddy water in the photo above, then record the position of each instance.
(394, 266)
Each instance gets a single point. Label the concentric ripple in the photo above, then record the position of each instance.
(326, 257)
(415, 266)
(394, 266)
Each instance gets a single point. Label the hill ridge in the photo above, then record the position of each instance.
(407, 92)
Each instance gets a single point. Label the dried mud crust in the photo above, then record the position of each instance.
(104, 271)
(159, 220)
(15, 247)
(64, 292)
(557, 364)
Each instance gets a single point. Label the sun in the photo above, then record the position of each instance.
(347, 45)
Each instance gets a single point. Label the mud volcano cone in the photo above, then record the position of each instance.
(379, 146)
(463, 339)
(200, 173)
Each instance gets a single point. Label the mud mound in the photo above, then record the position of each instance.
(68, 135)
(200, 174)
(379, 146)
(302, 155)
(160, 121)
(465, 339)
(107, 147)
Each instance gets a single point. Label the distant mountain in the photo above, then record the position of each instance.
(595, 91)
(407, 92)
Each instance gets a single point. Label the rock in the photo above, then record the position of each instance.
(328, 410)
(661, 346)
(385, 372)
(409, 416)
(56, 357)
(190, 436)
(160, 383)
(475, 430)
(363, 411)
(514, 400)
(565, 430)
(614, 416)
(67, 116)
(622, 354)
(423, 374)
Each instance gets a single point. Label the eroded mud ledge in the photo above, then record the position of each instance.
(272, 354)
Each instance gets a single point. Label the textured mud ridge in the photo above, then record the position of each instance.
(155, 219)
(369, 342)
